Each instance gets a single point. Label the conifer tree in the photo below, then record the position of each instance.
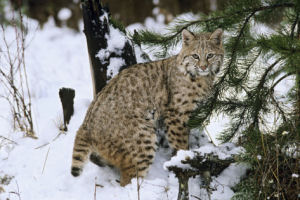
(247, 89)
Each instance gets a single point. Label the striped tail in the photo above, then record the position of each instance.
(81, 152)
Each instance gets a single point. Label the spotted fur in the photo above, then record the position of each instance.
(119, 127)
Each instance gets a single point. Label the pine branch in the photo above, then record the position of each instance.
(279, 80)
(228, 135)
(294, 26)
(246, 66)
(264, 76)
(258, 100)
(279, 109)
(217, 90)
(282, 113)
(143, 36)
(233, 52)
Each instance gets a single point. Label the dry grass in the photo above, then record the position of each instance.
(274, 160)
(13, 75)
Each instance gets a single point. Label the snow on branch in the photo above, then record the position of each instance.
(208, 161)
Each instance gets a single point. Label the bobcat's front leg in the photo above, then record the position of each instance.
(177, 130)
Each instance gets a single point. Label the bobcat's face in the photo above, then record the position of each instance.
(201, 55)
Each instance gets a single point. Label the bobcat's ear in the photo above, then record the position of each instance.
(216, 36)
(187, 36)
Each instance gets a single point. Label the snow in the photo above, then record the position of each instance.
(114, 66)
(295, 175)
(176, 160)
(223, 152)
(116, 41)
(103, 54)
(155, 11)
(285, 133)
(155, 2)
(291, 150)
(259, 157)
(232, 175)
(40, 168)
(64, 14)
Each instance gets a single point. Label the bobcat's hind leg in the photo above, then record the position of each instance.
(141, 152)
(81, 151)
(127, 173)
(97, 160)
(177, 131)
(138, 168)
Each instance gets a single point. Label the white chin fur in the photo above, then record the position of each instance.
(203, 73)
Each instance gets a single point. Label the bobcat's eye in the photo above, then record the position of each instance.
(195, 56)
(210, 55)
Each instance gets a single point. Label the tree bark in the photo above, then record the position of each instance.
(96, 28)
(298, 102)
(298, 89)
(183, 193)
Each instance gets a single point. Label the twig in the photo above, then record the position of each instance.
(45, 160)
(195, 197)
(60, 133)
(96, 185)
(294, 26)
(259, 87)
(280, 79)
(95, 192)
(263, 144)
(209, 136)
(5, 138)
(277, 167)
(263, 78)
(138, 185)
(18, 191)
(166, 188)
(279, 109)
(42, 145)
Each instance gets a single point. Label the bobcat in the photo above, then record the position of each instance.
(120, 124)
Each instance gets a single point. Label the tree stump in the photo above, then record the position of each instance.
(66, 96)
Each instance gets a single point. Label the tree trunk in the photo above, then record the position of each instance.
(97, 30)
(183, 193)
(298, 89)
(298, 101)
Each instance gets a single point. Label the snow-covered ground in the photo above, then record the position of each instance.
(40, 168)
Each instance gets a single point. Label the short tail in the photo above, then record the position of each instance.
(81, 152)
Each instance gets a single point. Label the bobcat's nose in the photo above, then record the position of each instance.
(203, 67)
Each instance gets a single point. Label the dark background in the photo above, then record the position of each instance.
(126, 11)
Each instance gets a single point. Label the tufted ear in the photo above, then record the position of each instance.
(216, 36)
(187, 36)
